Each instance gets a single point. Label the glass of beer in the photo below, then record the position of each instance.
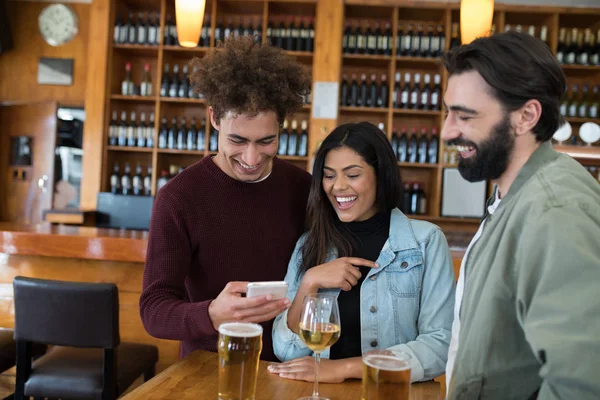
(319, 329)
(386, 375)
(239, 346)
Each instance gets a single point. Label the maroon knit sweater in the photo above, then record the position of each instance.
(208, 229)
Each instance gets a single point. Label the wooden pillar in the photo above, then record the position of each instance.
(95, 101)
(327, 63)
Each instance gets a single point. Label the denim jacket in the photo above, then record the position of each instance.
(406, 304)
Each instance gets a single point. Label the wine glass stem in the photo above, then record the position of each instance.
(317, 364)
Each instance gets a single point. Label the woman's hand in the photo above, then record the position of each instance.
(341, 273)
(303, 369)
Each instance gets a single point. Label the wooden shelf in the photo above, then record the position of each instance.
(130, 149)
(417, 112)
(299, 53)
(373, 57)
(182, 152)
(132, 98)
(419, 60)
(374, 110)
(576, 67)
(307, 107)
(580, 152)
(577, 120)
(138, 48)
(179, 49)
(417, 165)
(181, 100)
(293, 158)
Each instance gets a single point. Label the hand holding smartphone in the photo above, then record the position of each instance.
(277, 289)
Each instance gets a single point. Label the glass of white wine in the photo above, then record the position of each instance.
(319, 328)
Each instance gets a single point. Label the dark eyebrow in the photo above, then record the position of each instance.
(238, 137)
(461, 108)
(345, 169)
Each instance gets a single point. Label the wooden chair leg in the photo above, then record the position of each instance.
(149, 373)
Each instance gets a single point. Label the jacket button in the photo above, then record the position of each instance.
(373, 277)
(404, 264)
(373, 309)
(374, 343)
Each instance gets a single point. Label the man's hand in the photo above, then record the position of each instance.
(230, 306)
(303, 369)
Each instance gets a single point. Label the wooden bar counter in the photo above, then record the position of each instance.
(196, 377)
(85, 254)
(73, 242)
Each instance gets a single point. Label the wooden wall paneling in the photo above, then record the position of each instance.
(391, 76)
(19, 66)
(553, 32)
(327, 62)
(95, 103)
(265, 21)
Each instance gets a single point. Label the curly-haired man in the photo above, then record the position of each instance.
(234, 217)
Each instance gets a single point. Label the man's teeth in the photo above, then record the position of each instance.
(464, 149)
(246, 166)
(345, 199)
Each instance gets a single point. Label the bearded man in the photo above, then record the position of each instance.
(527, 310)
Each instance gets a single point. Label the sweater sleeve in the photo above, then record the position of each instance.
(557, 270)
(166, 313)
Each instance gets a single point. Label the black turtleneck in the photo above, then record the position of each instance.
(370, 235)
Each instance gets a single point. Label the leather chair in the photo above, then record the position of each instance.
(85, 317)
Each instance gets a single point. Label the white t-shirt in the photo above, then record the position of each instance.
(460, 288)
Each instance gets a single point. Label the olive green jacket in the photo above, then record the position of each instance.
(530, 315)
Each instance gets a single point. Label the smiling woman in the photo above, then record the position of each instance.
(383, 267)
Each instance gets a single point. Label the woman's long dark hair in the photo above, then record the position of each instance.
(325, 230)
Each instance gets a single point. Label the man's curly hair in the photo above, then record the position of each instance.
(245, 77)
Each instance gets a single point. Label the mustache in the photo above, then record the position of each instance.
(461, 142)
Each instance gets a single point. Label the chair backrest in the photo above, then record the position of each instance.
(66, 313)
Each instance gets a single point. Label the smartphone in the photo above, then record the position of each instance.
(278, 289)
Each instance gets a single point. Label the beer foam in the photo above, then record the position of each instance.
(240, 329)
(388, 363)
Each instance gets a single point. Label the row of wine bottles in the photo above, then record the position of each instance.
(578, 46)
(128, 185)
(145, 30)
(410, 41)
(174, 85)
(297, 35)
(293, 142)
(131, 133)
(130, 88)
(184, 137)
(582, 103)
(411, 94)
(413, 148)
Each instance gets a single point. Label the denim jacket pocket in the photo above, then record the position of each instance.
(404, 275)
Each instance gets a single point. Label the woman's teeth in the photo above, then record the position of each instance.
(345, 199)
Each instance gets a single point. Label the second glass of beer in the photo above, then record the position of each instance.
(239, 346)
(386, 375)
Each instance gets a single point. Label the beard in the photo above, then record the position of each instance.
(492, 155)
